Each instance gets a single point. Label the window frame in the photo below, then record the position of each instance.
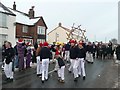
(41, 30)
(3, 21)
(24, 30)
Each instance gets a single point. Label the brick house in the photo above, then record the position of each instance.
(28, 27)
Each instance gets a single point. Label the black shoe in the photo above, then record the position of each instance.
(7, 79)
(83, 77)
(53, 62)
(55, 71)
(70, 72)
(46, 79)
(91, 62)
(75, 79)
(38, 74)
(42, 81)
(79, 75)
(11, 80)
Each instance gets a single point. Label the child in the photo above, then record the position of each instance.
(61, 65)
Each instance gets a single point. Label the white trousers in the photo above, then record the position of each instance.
(89, 57)
(74, 65)
(71, 65)
(53, 56)
(8, 70)
(61, 72)
(81, 68)
(45, 65)
(67, 53)
(39, 65)
(56, 65)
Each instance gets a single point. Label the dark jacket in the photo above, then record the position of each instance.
(118, 50)
(15, 49)
(9, 55)
(67, 47)
(90, 48)
(60, 62)
(44, 53)
(81, 53)
(53, 48)
(73, 52)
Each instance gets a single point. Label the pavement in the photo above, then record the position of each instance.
(100, 74)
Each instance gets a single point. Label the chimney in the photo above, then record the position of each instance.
(60, 24)
(14, 6)
(31, 12)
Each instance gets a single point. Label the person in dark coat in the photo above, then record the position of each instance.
(34, 53)
(73, 60)
(3, 55)
(67, 52)
(61, 67)
(9, 57)
(118, 52)
(81, 57)
(16, 63)
(53, 49)
(104, 51)
(94, 49)
(90, 53)
(44, 59)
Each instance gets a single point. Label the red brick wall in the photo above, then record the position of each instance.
(32, 30)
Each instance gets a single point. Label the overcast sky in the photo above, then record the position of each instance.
(99, 18)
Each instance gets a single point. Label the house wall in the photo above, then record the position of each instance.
(9, 31)
(61, 38)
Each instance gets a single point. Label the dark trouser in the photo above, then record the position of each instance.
(34, 57)
(97, 54)
(28, 60)
(21, 61)
(93, 54)
(118, 56)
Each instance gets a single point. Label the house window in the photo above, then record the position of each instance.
(40, 41)
(3, 20)
(41, 30)
(25, 29)
(28, 40)
(3, 37)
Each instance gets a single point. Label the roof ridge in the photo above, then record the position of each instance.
(20, 12)
(6, 8)
(66, 28)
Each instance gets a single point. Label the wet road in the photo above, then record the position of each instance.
(101, 74)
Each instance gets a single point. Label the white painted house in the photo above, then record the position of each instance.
(7, 25)
(59, 34)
